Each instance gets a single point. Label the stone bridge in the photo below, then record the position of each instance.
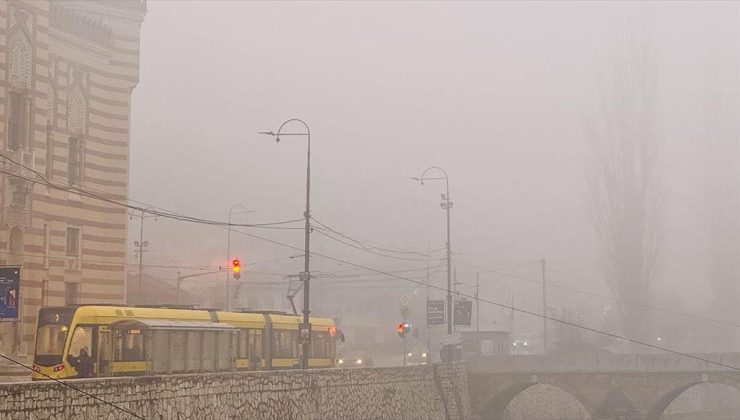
(609, 386)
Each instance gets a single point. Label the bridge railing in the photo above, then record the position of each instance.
(603, 362)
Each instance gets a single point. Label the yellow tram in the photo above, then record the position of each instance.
(127, 341)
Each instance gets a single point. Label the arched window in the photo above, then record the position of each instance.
(77, 111)
(19, 64)
(15, 246)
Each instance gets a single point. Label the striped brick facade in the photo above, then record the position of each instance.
(67, 71)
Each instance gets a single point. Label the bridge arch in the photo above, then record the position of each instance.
(673, 391)
(499, 399)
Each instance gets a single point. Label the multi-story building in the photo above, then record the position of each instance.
(67, 71)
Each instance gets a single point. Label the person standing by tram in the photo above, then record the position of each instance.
(82, 363)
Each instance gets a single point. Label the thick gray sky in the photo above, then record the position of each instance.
(494, 92)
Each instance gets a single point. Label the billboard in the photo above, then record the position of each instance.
(435, 312)
(9, 292)
(463, 312)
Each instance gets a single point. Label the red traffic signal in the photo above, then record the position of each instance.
(236, 268)
(403, 328)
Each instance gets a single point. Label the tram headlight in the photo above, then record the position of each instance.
(358, 361)
(340, 361)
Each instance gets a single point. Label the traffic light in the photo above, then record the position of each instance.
(236, 268)
(403, 328)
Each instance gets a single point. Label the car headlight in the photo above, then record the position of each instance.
(358, 361)
(525, 344)
(424, 355)
(340, 361)
(410, 354)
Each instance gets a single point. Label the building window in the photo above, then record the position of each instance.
(46, 244)
(73, 241)
(19, 191)
(17, 121)
(15, 246)
(71, 293)
(49, 152)
(74, 163)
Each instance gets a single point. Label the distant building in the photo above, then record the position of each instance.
(67, 70)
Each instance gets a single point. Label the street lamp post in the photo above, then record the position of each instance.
(446, 205)
(242, 210)
(305, 328)
(141, 243)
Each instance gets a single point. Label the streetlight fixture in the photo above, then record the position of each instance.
(305, 276)
(446, 204)
(141, 243)
(240, 209)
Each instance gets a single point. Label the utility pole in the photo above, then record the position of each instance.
(543, 264)
(304, 330)
(429, 329)
(141, 244)
(242, 210)
(477, 311)
(141, 256)
(403, 340)
(456, 295)
(447, 206)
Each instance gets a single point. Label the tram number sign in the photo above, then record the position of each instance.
(9, 292)
(304, 333)
(435, 312)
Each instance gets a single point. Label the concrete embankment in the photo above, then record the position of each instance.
(416, 392)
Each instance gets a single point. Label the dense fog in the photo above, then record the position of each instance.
(602, 137)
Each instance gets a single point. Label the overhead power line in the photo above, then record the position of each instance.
(322, 232)
(185, 218)
(168, 215)
(599, 295)
(360, 242)
(502, 305)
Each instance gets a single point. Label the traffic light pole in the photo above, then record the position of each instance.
(403, 345)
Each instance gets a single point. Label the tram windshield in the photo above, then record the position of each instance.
(51, 335)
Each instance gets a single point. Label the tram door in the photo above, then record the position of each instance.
(104, 352)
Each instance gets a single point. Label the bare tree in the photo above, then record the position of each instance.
(720, 198)
(624, 180)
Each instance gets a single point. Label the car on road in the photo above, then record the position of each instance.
(354, 359)
(416, 358)
(520, 347)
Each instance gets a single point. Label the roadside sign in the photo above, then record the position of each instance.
(9, 292)
(304, 333)
(435, 312)
(463, 312)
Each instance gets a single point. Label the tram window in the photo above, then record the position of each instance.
(285, 344)
(129, 345)
(81, 338)
(243, 342)
(50, 339)
(319, 345)
(209, 350)
(255, 343)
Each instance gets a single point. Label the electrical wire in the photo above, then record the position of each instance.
(175, 216)
(322, 232)
(359, 241)
(68, 385)
(337, 260)
(502, 305)
(611, 298)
